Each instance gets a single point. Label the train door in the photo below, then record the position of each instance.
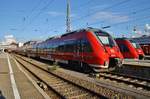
(79, 52)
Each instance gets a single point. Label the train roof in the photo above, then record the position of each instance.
(54, 37)
(79, 30)
(29, 42)
(86, 29)
(123, 38)
(96, 30)
(142, 40)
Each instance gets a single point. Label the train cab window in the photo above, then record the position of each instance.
(136, 45)
(106, 40)
(123, 48)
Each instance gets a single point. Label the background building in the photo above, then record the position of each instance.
(8, 43)
(9, 39)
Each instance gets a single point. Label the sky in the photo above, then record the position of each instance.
(40, 19)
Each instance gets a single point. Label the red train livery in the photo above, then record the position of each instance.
(130, 49)
(91, 48)
(146, 48)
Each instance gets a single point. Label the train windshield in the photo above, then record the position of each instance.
(106, 40)
(136, 45)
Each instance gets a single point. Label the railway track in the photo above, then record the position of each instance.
(62, 87)
(119, 78)
(133, 81)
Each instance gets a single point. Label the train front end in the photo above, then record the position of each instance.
(138, 50)
(107, 53)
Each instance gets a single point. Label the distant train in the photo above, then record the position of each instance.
(90, 48)
(144, 42)
(146, 48)
(130, 49)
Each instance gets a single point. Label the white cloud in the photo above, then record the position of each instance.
(147, 29)
(147, 26)
(109, 17)
(73, 15)
(99, 7)
(54, 13)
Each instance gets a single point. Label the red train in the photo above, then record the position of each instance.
(130, 49)
(146, 48)
(91, 48)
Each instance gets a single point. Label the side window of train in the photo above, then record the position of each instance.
(71, 46)
(66, 46)
(74, 46)
(86, 47)
(123, 48)
(61, 47)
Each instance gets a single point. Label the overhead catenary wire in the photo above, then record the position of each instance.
(25, 18)
(38, 14)
(42, 10)
(34, 8)
(138, 19)
(111, 6)
(131, 13)
(106, 8)
(83, 5)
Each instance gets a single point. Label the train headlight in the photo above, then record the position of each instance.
(106, 63)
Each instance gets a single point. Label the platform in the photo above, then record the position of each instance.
(140, 68)
(147, 57)
(14, 84)
(143, 63)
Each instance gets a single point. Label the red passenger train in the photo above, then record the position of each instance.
(146, 48)
(130, 49)
(91, 48)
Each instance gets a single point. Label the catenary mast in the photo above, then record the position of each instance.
(68, 19)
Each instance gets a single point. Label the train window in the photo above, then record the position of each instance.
(136, 45)
(123, 48)
(70, 46)
(106, 40)
(86, 47)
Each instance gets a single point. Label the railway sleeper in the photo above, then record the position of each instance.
(70, 90)
(55, 81)
(74, 93)
(129, 79)
(86, 96)
(67, 87)
(59, 84)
